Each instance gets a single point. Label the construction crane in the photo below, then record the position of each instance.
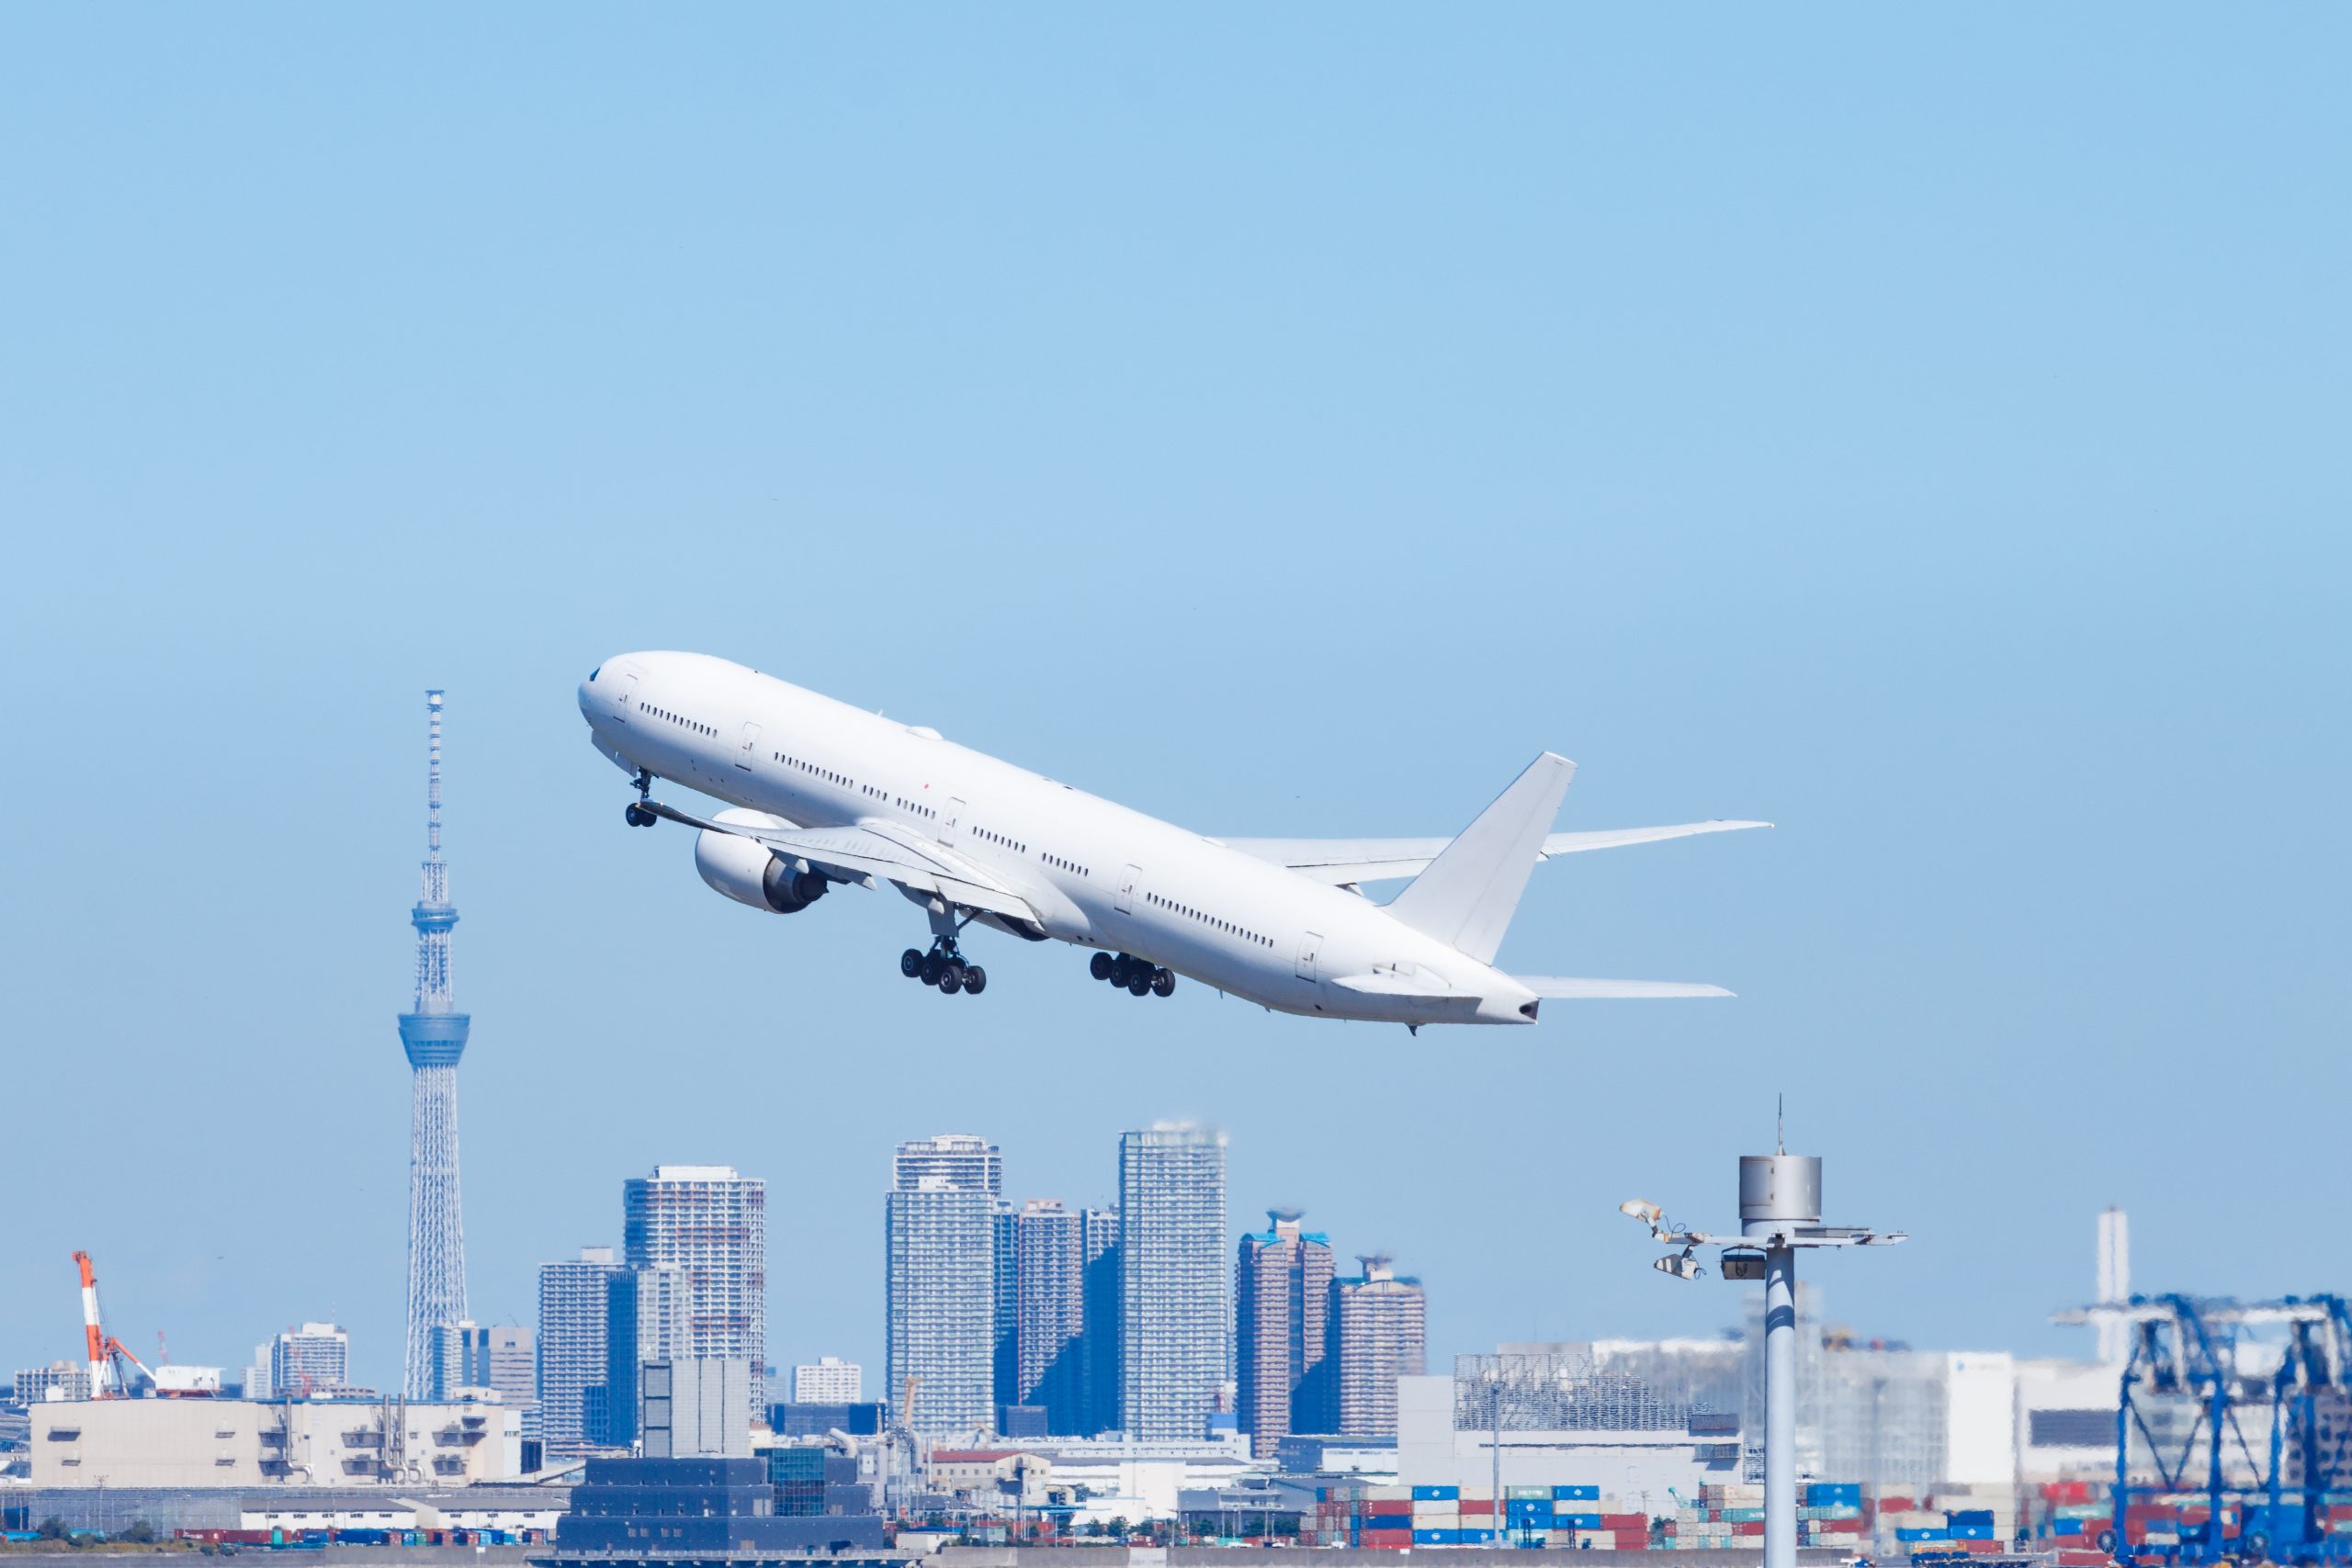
(110, 1358)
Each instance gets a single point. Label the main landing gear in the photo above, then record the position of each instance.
(636, 816)
(1134, 975)
(944, 966)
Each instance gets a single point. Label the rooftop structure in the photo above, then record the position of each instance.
(433, 1034)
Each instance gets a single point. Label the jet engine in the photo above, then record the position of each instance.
(750, 873)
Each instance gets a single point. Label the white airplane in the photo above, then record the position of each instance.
(820, 793)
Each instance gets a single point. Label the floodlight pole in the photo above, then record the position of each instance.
(1779, 1213)
(1778, 1192)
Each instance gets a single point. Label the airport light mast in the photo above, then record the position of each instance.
(1780, 1214)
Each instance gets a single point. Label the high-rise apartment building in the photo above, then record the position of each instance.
(314, 1357)
(1174, 1318)
(647, 1318)
(1100, 1361)
(1379, 1332)
(711, 1222)
(1049, 1287)
(499, 1357)
(572, 1372)
(1005, 1353)
(1282, 1294)
(940, 1279)
(827, 1380)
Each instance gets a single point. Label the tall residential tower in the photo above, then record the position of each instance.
(940, 1279)
(1174, 1317)
(1282, 1294)
(434, 1035)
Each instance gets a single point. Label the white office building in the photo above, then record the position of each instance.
(829, 1380)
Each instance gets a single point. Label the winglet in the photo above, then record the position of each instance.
(1470, 891)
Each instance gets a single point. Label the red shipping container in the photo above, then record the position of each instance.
(1625, 1522)
(1389, 1507)
(1747, 1527)
(1385, 1540)
(1477, 1505)
(2071, 1558)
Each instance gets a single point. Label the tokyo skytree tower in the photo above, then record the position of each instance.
(433, 1034)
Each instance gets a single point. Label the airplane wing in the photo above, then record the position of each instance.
(876, 851)
(1342, 862)
(1572, 989)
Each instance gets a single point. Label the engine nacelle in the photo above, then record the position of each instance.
(750, 873)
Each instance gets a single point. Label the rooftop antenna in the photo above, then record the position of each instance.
(1781, 1123)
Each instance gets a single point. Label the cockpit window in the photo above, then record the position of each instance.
(593, 673)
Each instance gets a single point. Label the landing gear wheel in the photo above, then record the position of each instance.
(1139, 981)
(910, 963)
(1122, 971)
(1163, 982)
(1099, 966)
(951, 979)
(636, 816)
(976, 979)
(934, 966)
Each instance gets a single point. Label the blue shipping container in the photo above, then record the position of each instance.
(2065, 1526)
(1578, 1521)
(1577, 1494)
(1435, 1493)
(1969, 1516)
(1922, 1535)
(1824, 1493)
(1437, 1538)
(1971, 1532)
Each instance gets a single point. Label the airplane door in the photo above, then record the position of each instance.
(1127, 880)
(1307, 948)
(749, 749)
(948, 820)
(626, 702)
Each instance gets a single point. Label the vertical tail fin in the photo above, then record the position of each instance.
(1469, 893)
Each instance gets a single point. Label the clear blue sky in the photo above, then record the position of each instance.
(1926, 428)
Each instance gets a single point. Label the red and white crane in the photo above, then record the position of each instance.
(109, 1375)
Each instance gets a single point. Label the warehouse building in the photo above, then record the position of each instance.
(215, 1443)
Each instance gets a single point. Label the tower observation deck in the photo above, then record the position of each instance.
(434, 1035)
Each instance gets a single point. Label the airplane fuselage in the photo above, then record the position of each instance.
(1097, 873)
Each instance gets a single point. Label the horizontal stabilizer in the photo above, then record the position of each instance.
(1570, 988)
(1342, 862)
(1397, 989)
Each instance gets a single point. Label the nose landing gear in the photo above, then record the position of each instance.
(636, 816)
(1137, 977)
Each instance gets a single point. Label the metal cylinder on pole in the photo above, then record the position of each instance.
(1778, 1192)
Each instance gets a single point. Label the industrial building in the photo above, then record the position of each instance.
(218, 1443)
(1175, 1318)
(711, 1221)
(940, 1274)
